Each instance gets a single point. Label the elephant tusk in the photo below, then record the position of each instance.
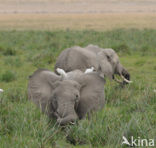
(72, 123)
(117, 80)
(126, 79)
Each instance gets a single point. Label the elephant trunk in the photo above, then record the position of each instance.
(125, 76)
(123, 73)
(66, 114)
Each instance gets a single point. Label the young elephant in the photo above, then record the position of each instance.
(56, 97)
(105, 61)
(91, 92)
(66, 97)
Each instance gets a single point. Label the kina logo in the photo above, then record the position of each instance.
(138, 142)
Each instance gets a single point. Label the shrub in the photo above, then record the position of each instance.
(8, 76)
(9, 52)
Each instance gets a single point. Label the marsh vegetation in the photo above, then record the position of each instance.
(129, 111)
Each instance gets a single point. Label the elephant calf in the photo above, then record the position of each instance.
(67, 97)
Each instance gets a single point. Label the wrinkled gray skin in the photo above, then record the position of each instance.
(66, 99)
(105, 61)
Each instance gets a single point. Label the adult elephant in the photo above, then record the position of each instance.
(66, 97)
(105, 61)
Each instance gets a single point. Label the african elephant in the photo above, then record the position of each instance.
(91, 92)
(66, 98)
(105, 61)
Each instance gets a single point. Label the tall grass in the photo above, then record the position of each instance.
(129, 111)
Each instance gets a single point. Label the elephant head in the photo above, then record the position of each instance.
(109, 65)
(56, 96)
(64, 100)
(91, 92)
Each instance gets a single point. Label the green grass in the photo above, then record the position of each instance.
(129, 111)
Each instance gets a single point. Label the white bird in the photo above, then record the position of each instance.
(1, 90)
(61, 72)
(125, 141)
(89, 70)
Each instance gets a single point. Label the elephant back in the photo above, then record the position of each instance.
(76, 58)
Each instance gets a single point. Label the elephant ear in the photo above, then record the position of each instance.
(40, 87)
(105, 67)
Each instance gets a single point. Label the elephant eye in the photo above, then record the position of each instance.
(108, 57)
(76, 97)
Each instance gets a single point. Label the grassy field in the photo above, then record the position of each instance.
(129, 111)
